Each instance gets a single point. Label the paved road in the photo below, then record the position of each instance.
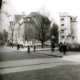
(41, 63)
(19, 67)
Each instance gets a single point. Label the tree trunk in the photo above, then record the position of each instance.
(12, 39)
(42, 44)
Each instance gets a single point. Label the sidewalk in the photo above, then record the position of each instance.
(25, 49)
(7, 49)
(50, 53)
(75, 58)
(31, 64)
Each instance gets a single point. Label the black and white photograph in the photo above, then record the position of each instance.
(39, 40)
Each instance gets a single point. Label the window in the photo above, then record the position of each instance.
(62, 19)
(62, 37)
(28, 19)
(62, 24)
(71, 18)
(73, 37)
(62, 31)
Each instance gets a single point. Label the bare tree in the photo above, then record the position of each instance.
(38, 28)
(41, 28)
(3, 37)
(44, 25)
(12, 28)
(44, 12)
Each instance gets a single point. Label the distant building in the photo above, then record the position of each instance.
(68, 28)
(21, 25)
(24, 28)
(13, 29)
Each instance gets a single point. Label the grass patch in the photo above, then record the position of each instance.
(64, 72)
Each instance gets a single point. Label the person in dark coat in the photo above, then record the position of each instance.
(18, 46)
(52, 46)
(28, 50)
(64, 48)
(60, 47)
(34, 48)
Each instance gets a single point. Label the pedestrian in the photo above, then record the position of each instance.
(18, 46)
(60, 47)
(52, 46)
(34, 48)
(28, 49)
(64, 48)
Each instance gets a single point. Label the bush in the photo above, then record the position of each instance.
(73, 47)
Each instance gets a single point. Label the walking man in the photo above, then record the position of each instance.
(28, 49)
(64, 48)
(61, 47)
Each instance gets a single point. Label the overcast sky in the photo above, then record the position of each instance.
(51, 6)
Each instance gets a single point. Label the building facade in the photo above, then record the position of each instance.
(68, 28)
(20, 29)
(27, 28)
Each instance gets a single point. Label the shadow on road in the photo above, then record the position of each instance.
(1, 77)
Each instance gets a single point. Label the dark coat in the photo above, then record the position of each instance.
(61, 47)
(64, 48)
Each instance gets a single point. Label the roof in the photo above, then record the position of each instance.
(35, 14)
(18, 17)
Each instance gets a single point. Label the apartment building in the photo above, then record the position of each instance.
(68, 28)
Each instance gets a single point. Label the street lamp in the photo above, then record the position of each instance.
(52, 43)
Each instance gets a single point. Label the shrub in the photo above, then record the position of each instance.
(73, 47)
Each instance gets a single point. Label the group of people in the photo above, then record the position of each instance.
(62, 47)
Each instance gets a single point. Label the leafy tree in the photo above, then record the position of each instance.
(54, 31)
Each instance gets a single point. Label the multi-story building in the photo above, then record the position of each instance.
(68, 28)
(26, 28)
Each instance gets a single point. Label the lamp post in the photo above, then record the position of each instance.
(52, 43)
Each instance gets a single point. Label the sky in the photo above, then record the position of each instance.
(53, 7)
